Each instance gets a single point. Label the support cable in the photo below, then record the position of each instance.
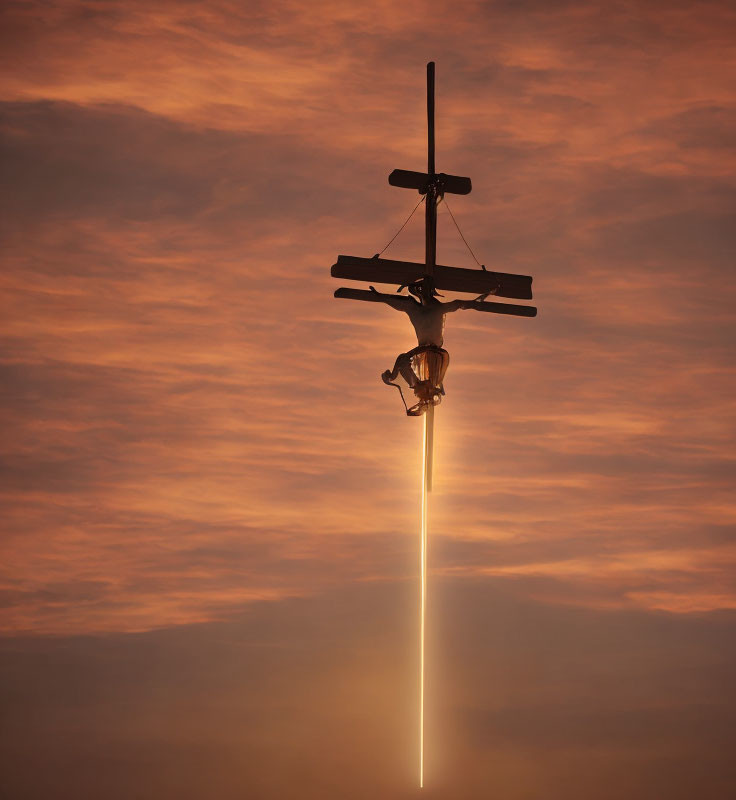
(482, 266)
(421, 200)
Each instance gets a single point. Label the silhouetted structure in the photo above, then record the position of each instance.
(424, 367)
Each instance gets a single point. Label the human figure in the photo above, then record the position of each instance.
(427, 315)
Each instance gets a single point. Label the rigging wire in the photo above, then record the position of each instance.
(482, 266)
(421, 200)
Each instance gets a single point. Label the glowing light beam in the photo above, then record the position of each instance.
(427, 455)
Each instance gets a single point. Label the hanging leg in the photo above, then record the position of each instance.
(401, 366)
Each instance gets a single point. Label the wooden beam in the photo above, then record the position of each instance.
(494, 308)
(430, 203)
(451, 279)
(363, 294)
(451, 184)
(502, 308)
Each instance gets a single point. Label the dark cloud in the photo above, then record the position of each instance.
(315, 697)
(68, 161)
(707, 128)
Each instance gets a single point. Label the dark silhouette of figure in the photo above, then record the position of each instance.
(423, 368)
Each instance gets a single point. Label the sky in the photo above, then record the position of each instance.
(210, 529)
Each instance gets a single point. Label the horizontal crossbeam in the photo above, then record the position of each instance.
(452, 184)
(451, 279)
(504, 308)
(495, 308)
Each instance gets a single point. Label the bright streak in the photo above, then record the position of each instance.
(427, 454)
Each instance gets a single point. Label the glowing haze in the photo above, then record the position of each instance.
(211, 503)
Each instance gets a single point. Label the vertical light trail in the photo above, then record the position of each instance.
(427, 453)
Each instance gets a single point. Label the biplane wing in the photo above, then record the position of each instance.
(452, 279)
(495, 308)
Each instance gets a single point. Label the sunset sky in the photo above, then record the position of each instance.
(209, 552)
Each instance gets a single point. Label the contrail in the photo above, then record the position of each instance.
(427, 454)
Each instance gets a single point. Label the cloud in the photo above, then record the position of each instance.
(310, 697)
(180, 386)
(209, 550)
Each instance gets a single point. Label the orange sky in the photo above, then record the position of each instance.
(200, 461)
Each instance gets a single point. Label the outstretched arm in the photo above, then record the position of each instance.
(456, 305)
(398, 302)
(497, 308)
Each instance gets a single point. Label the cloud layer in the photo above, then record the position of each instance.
(195, 430)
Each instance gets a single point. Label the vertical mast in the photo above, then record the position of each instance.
(431, 202)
